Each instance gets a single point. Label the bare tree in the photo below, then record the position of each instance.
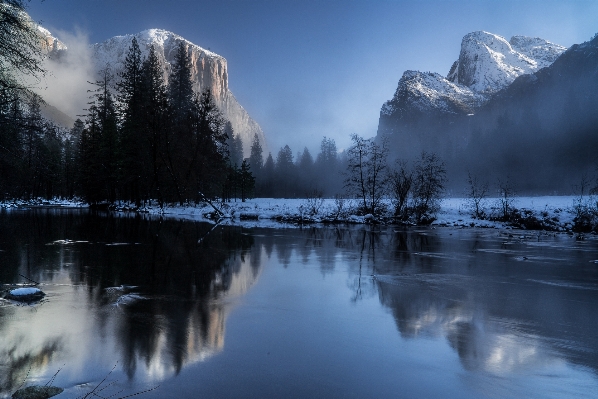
(476, 195)
(428, 186)
(367, 172)
(506, 194)
(401, 180)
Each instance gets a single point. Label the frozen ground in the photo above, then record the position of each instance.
(277, 212)
(280, 212)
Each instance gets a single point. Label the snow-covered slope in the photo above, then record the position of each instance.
(488, 62)
(208, 69)
(426, 91)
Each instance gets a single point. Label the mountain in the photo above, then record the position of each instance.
(208, 70)
(523, 110)
(487, 64)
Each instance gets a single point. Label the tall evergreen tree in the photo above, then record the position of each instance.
(267, 177)
(246, 181)
(133, 146)
(99, 144)
(156, 125)
(256, 160)
(235, 145)
(285, 173)
(70, 159)
(210, 152)
(180, 87)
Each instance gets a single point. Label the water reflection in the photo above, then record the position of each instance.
(157, 295)
(152, 295)
(504, 302)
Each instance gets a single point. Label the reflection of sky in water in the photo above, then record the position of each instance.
(316, 312)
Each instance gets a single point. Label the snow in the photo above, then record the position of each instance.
(55, 202)
(285, 213)
(433, 90)
(488, 62)
(25, 291)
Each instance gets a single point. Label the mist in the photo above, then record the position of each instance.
(68, 73)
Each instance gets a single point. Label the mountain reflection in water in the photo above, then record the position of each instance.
(518, 311)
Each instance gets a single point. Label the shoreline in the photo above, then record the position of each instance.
(543, 213)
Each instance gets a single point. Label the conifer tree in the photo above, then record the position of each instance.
(246, 181)
(156, 125)
(99, 144)
(208, 161)
(256, 160)
(180, 87)
(133, 144)
(235, 145)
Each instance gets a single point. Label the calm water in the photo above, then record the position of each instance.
(353, 312)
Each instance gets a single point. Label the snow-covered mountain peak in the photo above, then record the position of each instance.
(540, 50)
(208, 69)
(488, 62)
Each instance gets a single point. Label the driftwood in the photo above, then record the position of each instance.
(218, 211)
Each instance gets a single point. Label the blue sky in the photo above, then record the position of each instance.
(308, 69)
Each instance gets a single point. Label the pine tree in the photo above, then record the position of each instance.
(256, 160)
(246, 181)
(132, 143)
(180, 87)
(235, 145)
(285, 173)
(208, 161)
(99, 144)
(71, 150)
(157, 135)
(267, 177)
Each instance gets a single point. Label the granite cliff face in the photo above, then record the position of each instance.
(487, 64)
(525, 108)
(208, 70)
(50, 43)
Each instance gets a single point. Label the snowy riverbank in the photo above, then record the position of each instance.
(554, 213)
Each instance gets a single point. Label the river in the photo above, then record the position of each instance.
(189, 309)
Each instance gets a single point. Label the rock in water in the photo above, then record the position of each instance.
(37, 392)
(26, 294)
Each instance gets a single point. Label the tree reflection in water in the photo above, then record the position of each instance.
(504, 304)
(183, 275)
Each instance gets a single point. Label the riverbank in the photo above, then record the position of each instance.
(551, 213)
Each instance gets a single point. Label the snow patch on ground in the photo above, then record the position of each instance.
(280, 212)
(558, 211)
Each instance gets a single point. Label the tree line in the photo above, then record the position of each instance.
(144, 140)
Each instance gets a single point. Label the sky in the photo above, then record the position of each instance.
(308, 69)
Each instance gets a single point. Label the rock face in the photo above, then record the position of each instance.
(49, 42)
(487, 64)
(208, 70)
(431, 92)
